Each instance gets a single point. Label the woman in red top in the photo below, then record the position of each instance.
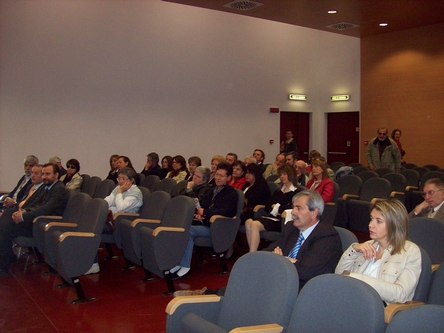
(238, 177)
(320, 182)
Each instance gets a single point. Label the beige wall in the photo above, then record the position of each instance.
(402, 86)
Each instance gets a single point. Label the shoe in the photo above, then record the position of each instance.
(175, 269)
(95, 268)
(190, 292)
(181, 274)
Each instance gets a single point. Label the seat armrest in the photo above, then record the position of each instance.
(137, 221)
(60, 224)
(257, 207)
(393, 193)
(266, 328)
(170, 229)
(375, 200)
(46, 217)
(75, 234)
(350, 196)
(435, 267)
(411, 188)
(393, 308)
(116, 215)
(215, 217)
(330, 204)
(178, 301)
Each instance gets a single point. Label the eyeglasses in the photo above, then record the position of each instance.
(122, 179)
(71, 167)
(431, 192)
(382, 134)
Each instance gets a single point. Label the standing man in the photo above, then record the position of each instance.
(289, 145)
(382, 152)
(152, 166)
(433, 204)
(23, 184)
(47, 200)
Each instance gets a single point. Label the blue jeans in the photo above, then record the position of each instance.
(195, 231)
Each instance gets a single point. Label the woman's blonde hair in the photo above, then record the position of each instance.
(396, 221)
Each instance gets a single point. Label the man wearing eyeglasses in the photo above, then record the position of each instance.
(382, 152)
(433, 204)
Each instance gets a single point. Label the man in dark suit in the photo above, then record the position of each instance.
(23, 184)
(152, 166)
(433, 204)
(47, 200)
(320, 248)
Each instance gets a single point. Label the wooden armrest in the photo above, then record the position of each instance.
(257, 207)
(52, 217)
(330, 204)
(393, 193)
(284, 215)
(160, 229)
(60, 224)
(136, 221)
(435, 267)
(411, 188)
(116, 215)
(393, 308)
(375, 200)
(177, 301)
(352, 196)
(214, 217)
(266, 328)
(75, 234)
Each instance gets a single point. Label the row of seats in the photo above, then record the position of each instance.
(327, 303)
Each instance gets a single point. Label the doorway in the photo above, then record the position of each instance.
(299, 123)
(343, 137)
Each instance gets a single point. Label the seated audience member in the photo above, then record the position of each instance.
(272, 169)
(314, 248)
(259, 155)
(57, 161)
(249, 160)
(49, 199)
(72, 179)
(167, 166)
(179, 171)
(321, 182)
(112, 174)
(238, 177)
(302, 178)
(23, 184)
(433, 204)
(126, 197)
(223, 201)
(193, 163)
(389, 262)
(198, 188)
(330, 172)
(231, 158)
(313, 155)
(256, 191)
(214, 163)
(278, 202)
(125, 162)
(152, 166)
(289, 145)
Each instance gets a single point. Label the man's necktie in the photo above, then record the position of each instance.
(30, 193)
(294, 251)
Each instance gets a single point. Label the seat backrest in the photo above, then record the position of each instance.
(383, 171)
(265, 284)
(424, 281)
(337, 191)
(179, 212)
(273, 186)
(104, 189)
(93, 216)
(356, 165)
(154, 206)
(145, 194)
(91, 185)
(325, 296)
(240, 202)
(180, 186)
(358, 169)
(366, 175)
(375, 188)
(436, 294)
(425, 318)
(429, 175)
(85, 178)
(336, 165)
(75, 206)
(409, 166)
(412, 176)
(347, 237)
(167, 185)
(150, 182)
(398, 181)
(432, 167)
(421, 170)
(429, 234)
(272, 178)
(349, 184)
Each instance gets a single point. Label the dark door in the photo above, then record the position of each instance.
(299, 123)
(343, 137)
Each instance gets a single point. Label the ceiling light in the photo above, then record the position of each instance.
(383, 24)
(296, 97)
(332, 11)
(337, 98)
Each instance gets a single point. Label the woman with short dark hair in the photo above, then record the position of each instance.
(72, 179)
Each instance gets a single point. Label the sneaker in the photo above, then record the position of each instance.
(95, 268)
(190, 292)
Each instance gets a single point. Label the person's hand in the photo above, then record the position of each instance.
(278, 250)
(372, 168)
(125, 186)
(190, 184)
(9, 202)
(17, 216)
(367, 249)
(421, 206)
(147, 165)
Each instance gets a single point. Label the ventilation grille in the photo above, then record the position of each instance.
(243, 4)
(342, 26)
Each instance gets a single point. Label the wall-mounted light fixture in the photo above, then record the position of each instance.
(295, 97)
(337, 98)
